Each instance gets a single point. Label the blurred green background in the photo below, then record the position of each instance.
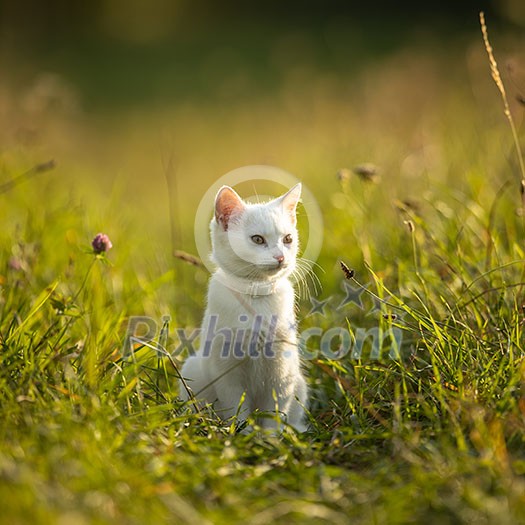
(221, 84)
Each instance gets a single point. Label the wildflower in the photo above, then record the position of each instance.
(101, 243)
(15, 263)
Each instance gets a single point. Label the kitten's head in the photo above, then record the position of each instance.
(255, 241)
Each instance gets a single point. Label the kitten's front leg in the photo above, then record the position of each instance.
(196, 379)
(286, 400)
(296, 412)
(289, 411)
(232, 400)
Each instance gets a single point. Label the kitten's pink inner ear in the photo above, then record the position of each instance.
(290, 199)
(227, 205)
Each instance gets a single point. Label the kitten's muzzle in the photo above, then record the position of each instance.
(274, 268)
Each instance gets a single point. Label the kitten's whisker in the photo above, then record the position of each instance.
(299, 280)
(302, 285)
(300, 276)
(299, 273)
(306, 285)
(309, 273)
(311, 263)
(313, 275)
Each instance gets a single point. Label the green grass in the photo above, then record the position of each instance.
(436, 436)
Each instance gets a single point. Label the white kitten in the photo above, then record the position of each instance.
(248, 348)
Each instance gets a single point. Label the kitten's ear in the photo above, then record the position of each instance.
(290, 199)
(227, 204)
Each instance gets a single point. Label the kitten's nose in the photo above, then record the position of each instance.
(279, 258)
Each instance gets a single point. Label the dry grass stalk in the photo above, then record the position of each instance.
(499, 83)
(188, 258)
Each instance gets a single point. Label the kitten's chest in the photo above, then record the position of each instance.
(259, 325)
(261, 332)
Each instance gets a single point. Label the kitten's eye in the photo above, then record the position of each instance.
(288, 239)
(258, 239)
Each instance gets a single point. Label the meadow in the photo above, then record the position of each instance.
(432, 431)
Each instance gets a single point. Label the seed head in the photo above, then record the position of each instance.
(349, 274)
(368, 172)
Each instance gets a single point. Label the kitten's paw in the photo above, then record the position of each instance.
(248, 429)
(298, 426)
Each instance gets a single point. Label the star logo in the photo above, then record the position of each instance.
(352, 296)
(318, 306)
(378, 305)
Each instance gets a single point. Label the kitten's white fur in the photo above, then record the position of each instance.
(251, 298)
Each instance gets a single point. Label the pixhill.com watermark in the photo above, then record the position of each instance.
(260, 338)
